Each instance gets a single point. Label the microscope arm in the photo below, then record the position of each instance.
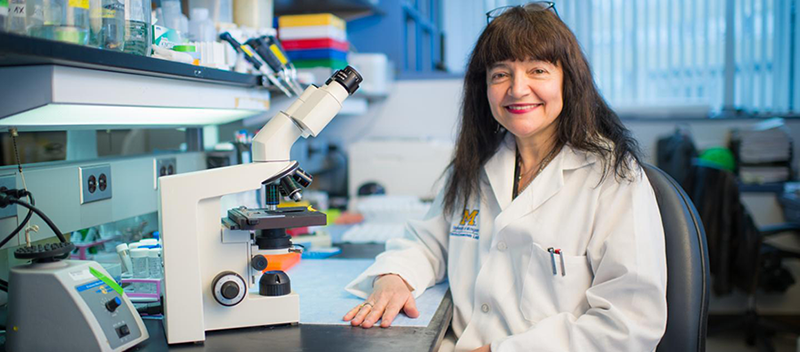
(308, 115)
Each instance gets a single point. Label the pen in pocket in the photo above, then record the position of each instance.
(553, 259)
(563, 267)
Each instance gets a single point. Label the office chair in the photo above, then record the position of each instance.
(687, 266)
(739, 258)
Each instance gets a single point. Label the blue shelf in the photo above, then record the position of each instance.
(408, 33)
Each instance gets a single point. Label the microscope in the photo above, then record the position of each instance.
(213, 269)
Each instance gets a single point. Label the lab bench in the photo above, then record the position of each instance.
(312, 337)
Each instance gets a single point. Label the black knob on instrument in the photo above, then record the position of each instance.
(259, 262)
(274, 283)
(230, 290)
(113, 304)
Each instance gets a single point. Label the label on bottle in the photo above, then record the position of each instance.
(83, 4)
(109, 13)
(17, 10)
(3, 7)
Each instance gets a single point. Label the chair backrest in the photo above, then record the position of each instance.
(687, 266)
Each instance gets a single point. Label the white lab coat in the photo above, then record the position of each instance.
(611, 295)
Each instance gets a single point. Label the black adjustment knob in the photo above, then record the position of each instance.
(274, 283)
(230, 290)
(113, 304)
(123, 331)
(259, 262)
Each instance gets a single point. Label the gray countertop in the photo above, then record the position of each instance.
(311, 337)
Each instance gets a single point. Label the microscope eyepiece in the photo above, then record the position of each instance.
(348, 77)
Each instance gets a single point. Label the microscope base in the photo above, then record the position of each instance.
(257, 310)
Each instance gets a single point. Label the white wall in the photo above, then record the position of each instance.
(426, 109)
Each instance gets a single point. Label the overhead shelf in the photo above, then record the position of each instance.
(346, 9)
(54, 85)
(17, 50)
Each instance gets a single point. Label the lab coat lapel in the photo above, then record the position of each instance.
(543, 187)
(500, 171)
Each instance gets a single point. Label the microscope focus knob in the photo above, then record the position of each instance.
(228, 288)
(274, 283)
(259, 262)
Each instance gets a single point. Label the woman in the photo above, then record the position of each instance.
(547, 229)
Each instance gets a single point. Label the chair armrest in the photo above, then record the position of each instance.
(770, 230)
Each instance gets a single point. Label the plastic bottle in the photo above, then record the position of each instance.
(16, 21)
(154, 263)
(95, 22)
(225, 13)
(253, 13)
(138, 32)
(140, 268)
(149, 242)
(125, 257)
(201, 28)
(220, 11)
(154, 266)
(171, 10)
(63, 20)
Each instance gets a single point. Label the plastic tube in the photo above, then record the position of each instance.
(125, 257)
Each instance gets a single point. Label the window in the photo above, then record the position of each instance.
(680, 54)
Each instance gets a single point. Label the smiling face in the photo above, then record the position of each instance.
(525, 97)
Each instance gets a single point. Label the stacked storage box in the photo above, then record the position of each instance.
(312, 41)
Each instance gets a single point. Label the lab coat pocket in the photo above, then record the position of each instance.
(545, 294)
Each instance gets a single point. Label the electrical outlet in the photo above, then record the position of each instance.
(8, 182)
(163, 167)
(95, 183)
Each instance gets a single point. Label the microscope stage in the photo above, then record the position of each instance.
(264, 219)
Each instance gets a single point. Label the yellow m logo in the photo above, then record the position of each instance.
(469, 217)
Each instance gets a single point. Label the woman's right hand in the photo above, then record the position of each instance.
(389, 295)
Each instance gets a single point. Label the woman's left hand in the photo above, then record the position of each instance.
(486, 348)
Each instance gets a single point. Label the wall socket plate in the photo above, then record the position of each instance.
(164, 167)
(8, 182)
(95, 182)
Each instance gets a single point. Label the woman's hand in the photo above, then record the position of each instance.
(389, 295)
(486, 348)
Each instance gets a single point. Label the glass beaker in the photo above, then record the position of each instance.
(112, 30)
(137, 27)
(62, 20)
